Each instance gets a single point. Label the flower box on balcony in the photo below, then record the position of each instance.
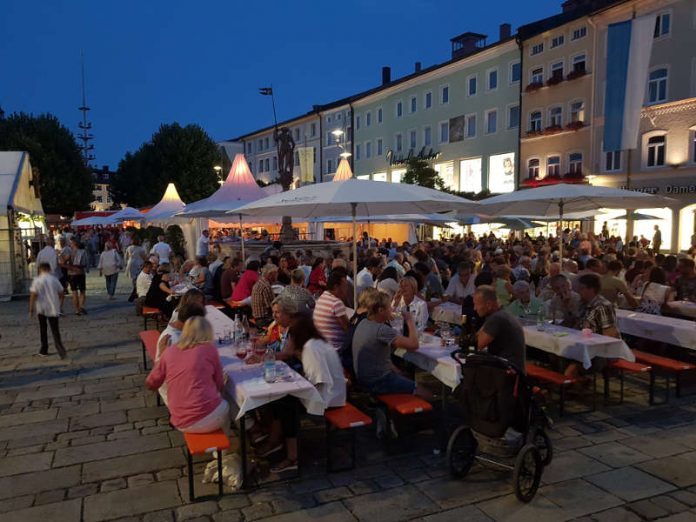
(534, 86)
(575, 125)
(534, 133)
(552, 129)
(554, 80)
(578, 73)
(573, 177)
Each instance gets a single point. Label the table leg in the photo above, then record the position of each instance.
(443, 417)
(243, 441)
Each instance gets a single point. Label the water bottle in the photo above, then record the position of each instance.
(237, 330)
(269, 371)
(540, 320)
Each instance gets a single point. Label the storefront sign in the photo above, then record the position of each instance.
(470, 175)
(501, 173)
(424, 154)
(667, 189)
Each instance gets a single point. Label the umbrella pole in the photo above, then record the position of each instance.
(241, 237)
(560, 236)
(353, 207)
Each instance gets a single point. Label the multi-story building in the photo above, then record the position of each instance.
(462, 115)
(664, 161)
(337, 136)
(101, 180)
(558, 68)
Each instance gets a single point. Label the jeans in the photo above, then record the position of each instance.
(111, 281)
(43, 330)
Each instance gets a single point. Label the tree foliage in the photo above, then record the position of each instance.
(182, 155)
(65, 181)
(420, 172)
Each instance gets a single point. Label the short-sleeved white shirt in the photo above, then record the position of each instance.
(163, 251)
(322, 367)
(47, 289)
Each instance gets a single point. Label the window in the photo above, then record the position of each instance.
(535, 121)
(575, 163)
(261, 144)
(297, 159)
(515, 72)
(313, 130)
(358, 151)
(491, 121)
(266, 143)
(533, 168)
(427, 136)
(493, 80)
(412, 141)
(398, 143)
(577, 111)
(339, 116)
(379, 115)
(557, 71)
(580, 32)
(579, 63)
(260, 165)
(657, 86)
(414, 104)
(444, 132)
(553, 166)
(472, 86)
(471, 126)
(656, 151)
(368, 119)
(513, 117)
(275, 163)
(379, 146)
(368, 150)
(444, 95)
(557, 41)
(537, 75)
(612, 160)
(349, 133)
(357, 122)
(248, 145)
(537, 49)
(428, 101)
(556, 117)
(663, 23)
(297, 134)
(399, 109)
(328, 119)
(329, 139)
(329, 166)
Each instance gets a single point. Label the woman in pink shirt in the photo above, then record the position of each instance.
(194, 378)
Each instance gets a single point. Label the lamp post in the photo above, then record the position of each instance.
(218, 173)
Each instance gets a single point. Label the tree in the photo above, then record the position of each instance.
(182, 155)
(65, 181)
(420, 172)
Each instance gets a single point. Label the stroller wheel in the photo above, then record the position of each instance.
(527, 473)
(543, 443)
(461, 451)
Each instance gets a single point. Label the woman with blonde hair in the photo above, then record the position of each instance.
(193, 374)
(407, 299)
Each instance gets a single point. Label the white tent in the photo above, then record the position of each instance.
(19, 201)
(167, 209)
(125, 214)
(90, 221)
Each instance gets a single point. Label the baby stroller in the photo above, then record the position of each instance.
(502, 423)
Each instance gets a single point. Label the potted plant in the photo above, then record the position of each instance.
(553, 129)
(576, 73)
(534, 132)
(554, 80)
(575, 125)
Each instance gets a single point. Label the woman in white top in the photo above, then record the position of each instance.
(654, 293)
(110, 265)
(406, 299)
(388, 281)
(135, 259)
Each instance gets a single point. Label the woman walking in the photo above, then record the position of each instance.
(110, 265)
(135, 258)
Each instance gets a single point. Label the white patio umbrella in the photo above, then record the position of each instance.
(637, 216)
(89, 221)
(554, 200)
(354, 197)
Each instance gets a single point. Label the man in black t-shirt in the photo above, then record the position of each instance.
(501, 333)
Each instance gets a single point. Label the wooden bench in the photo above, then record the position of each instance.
(201, 444)
(665, 365)
(402, 404)
(545, 375)
(150, 312)
(346, 417)
(622, 366)
(149, 339)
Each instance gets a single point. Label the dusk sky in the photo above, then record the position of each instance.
(152, 62)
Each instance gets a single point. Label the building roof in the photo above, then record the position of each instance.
(16, 184)
(586, 8)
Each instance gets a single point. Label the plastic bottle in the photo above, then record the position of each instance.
(540, 320)
(269, 371)
(237, 330)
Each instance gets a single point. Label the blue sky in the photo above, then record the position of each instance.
(152, 62)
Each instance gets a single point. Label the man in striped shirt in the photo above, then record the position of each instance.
(330, 313)
(262, 295)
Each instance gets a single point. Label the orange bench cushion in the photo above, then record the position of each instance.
(544, 374)
(347, 416)
(628, 366)
(199, 443)
(404, 404)
(149, 310)
(149, 339)
(662, 362)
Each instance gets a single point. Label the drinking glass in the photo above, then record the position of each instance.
(241, 352)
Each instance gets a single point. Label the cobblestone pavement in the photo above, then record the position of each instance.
(82, 440)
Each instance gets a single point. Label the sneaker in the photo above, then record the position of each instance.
(42, 355)
(380, 423)
(286, 465)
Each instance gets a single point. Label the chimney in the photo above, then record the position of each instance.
(505, 31)
(418, 67)
(386, 75)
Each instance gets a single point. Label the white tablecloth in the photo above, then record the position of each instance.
(685, 308)
(571, 344)
(436, 360)
(680, 332)
(447, 312)
(246, 386)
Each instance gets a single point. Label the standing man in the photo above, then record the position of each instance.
(49, 255)
(46, 299)
(203, 246)
(162, 249)
(657, 240)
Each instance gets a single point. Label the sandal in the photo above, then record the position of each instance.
(285, 465)
(269, 450)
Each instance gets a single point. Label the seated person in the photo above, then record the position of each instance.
(159, 292)
(262, 295)
(373, 342)
(407, 299)
(241, 294)
(193, 374)
(565, 303)
(276, 334)
(501, 333)
(524, 304)
(296, 292)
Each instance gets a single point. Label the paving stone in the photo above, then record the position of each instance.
(25, 464)
(109, 449)
(362, 487)
(66, 511)
(166, 515)
(465, 513)
(113, 485)
(679, 470)
(77, 410)
(232, 515)
(234, 501)
(389, 481)
(140, 480)
(132, 501)
(29, 441)
(22, 419)
(122, 404)
(685, 497)
(49, 497)
(310, 486)
(669, 504)
(37, 429)
(570, 465)
(16, 503)
(578, 497)
(25, 450)
(479, 485)
(49, 392)
(27, 483)
(617, 514)
(83, 490)
(133, 464)
(630, 483)
(196, 510)
(92, 439)
(509, 509)
(400, 504)
(168, 474)
(333, 512)
(333, 494)
(257, 511)
(615, 454)
(141, 414)
(681, 517)
(655, 446)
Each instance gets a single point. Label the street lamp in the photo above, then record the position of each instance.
(218, 173)
(338, 134)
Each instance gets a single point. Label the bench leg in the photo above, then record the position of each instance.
(594, 391)
(329, 467)
(159, 399)
(189, 463)
(144, 357)
(561, 400)
(621, 379)
(219, 466)
(677, 384)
